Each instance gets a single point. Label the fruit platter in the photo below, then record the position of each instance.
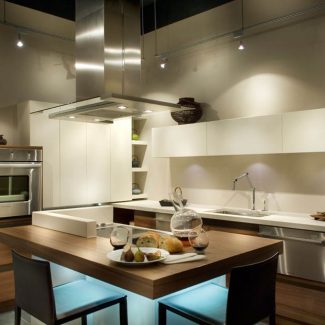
(133, 255)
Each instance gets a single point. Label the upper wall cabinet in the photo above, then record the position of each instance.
(179, 141)
(244, 136)
(304, 131)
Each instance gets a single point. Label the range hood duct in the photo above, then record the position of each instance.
(108, 64)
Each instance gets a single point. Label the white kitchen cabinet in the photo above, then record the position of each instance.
(121, 160)
(98, 163)
(73, 163)
(304, 131)
(242, 136)
(45, 132)
(179, 141)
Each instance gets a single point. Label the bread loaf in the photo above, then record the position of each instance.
(166, 242)
(149, 239)
(171, 244)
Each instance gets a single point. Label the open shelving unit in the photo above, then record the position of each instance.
(139, 148)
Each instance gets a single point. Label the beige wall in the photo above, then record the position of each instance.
(44, 68)
(8, 124)
(282, 69)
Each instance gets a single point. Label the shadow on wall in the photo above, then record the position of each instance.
(302, 173)
(209, 113)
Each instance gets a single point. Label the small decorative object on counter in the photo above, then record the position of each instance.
(3, 141)
(136, 189)
(319, 216)
(188, 116)
(183, 220)
(135, 161)
(169, 203)
(135, 135)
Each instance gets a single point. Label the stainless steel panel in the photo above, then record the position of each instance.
(113, 47)
(132, 48)
(106, 109)
(303, 259)
(303, 252)
(89, 48)
(22, 162)
(21, 154)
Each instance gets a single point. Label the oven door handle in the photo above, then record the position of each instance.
(21, 165)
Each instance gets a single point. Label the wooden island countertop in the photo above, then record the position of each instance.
(88, 256)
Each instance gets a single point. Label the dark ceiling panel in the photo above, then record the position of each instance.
(170, 11)
(167, 11)
(60, 8)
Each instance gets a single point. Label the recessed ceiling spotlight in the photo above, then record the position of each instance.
(96, 120)
(121, 107)
(148, 111)
(72, 117)
(19, 43)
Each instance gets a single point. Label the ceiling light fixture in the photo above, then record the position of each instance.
(142, 36)
(19, 43)
(148, 111)
(121, 107)
(156, 36)
(72, 117)
(163, 62)
(241, 46)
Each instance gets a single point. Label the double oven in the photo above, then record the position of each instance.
(20, 181)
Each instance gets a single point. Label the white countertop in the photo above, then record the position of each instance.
(279, 219)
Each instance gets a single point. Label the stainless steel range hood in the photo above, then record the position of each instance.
(108, 64)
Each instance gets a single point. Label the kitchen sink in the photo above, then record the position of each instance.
(244, 213)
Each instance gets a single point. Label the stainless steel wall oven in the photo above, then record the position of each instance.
(20, 181)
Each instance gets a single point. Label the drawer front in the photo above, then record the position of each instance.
(5, 255)
(7, 289)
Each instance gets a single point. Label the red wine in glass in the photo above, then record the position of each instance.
(119, 237)
(198, 239)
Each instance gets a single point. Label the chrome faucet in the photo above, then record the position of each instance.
(234, 182)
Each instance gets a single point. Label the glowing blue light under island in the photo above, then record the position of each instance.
(141, 310)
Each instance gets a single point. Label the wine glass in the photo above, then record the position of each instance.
(119, 237)
(198, 239)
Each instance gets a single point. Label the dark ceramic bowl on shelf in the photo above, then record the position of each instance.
(188, 116)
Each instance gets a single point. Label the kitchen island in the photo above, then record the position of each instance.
(300, 280)
(88, 256)
(273, 218)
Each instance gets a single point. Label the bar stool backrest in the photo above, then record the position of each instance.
(251, 294)
(33, 287)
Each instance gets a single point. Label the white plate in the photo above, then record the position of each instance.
(115, 256)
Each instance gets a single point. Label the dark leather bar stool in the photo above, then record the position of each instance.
(250, 298)
(36, 295)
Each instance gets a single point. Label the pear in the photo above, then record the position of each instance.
(139, 256)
